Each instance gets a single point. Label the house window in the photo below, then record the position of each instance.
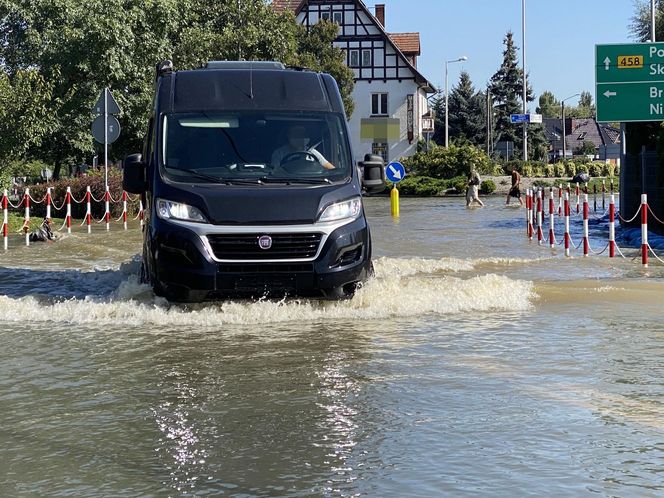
(325, 15)
(354, 58)
(379, 104)
(380, 149)
(338, 17)
(366, 57)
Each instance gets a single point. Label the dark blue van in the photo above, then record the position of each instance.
(249, 187)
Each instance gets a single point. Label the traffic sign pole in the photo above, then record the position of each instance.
(106, 138)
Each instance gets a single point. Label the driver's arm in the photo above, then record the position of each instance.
(321, 159)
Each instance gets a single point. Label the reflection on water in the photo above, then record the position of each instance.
(474, 364)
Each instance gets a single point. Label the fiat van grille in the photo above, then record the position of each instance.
(247, 247)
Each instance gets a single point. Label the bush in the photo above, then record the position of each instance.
(526, 170)
(582, 168)
(487, 187)
(498, 170)
(441, 162)
(549, 171)
(422, 186)
(570, 168)
(459, 184)
(559, 169)
(596, 169)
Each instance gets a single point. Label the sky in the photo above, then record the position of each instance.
(560, 38)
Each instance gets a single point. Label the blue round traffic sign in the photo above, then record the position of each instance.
(395, 172)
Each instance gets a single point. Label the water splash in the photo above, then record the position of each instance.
(401, 288)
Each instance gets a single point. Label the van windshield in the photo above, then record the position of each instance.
(288, 147)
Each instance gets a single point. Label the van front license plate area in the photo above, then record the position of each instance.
(265, 283)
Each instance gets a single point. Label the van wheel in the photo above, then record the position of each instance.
(342, 292)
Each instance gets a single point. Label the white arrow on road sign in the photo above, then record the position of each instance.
(395, 172)
(609, 93)
(607, 61)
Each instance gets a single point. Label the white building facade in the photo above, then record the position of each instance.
(390, 94)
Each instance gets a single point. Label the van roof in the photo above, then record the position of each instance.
(240, 87)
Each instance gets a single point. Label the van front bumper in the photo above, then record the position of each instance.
(188, 258)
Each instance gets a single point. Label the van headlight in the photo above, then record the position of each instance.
(169, 210)
(342, 210)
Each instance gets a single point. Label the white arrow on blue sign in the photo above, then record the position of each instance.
(395, 172)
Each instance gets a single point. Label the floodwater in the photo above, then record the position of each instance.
(475, 363)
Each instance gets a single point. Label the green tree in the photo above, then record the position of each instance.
(586, 148)
(80, 48)
(507, 94)
(640, 22)
(549, 106)
(24, 120)
(316, 51)
(466, 114)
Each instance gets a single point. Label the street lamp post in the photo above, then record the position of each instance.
(525, 85)
(562, 107)
(460, 59)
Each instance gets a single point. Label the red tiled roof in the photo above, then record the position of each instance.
(281, 5)
(408, 43)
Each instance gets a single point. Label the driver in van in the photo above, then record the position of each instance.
(298, 142)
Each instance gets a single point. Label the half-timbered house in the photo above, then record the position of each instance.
(390, 93)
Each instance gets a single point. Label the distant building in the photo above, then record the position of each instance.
(578, 130)
(390, 94)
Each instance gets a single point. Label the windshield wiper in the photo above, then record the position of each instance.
(195, 173)
(310, 181)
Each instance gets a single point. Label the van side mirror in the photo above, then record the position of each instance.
(373, 173)
(133, 174)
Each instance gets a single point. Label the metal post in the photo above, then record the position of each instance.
(525, 125)
(652, 20)
(106, 137)
(447, 111)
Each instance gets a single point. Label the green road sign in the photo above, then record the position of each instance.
(630, 82)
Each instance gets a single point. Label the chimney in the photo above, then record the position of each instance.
(380, 13)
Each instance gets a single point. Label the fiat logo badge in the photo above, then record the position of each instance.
(264, 241)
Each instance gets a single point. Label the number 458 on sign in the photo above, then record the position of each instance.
(630, 61)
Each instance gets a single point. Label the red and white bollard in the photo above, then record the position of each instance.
(529, 214)
(644, 230)
(576, 190)
(560, 199)
(566, 208)
(26, 223)
(552, 239)
(586, 241)
(68, 203)
(540, 234)
(48, 204)
(612, 227)
(107, 208)
(5, 223)
(124, 209)
(88, 209)
(141, 215)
